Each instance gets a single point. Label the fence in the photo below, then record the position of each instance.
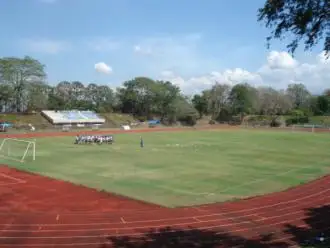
(313, 128)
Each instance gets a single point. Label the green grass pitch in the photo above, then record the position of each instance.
(184, 168)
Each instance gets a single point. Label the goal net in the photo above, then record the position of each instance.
(18, 149)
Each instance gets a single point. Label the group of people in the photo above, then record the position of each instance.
(97, 139)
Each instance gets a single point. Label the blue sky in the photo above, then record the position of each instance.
(190, 43)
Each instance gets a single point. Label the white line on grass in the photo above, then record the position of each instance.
(183, 191)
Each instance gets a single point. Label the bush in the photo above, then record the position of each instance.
(141, 118)
(224, 116)
(275, 123)
(293, 120)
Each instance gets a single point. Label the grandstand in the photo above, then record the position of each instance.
(72, 117)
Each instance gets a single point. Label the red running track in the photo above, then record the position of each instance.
(40, 212)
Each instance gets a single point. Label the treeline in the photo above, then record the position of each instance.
(223, 102)
(23, 88)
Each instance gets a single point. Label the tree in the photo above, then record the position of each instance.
(218, 98)
(200, 103)
(307, 20)
(64, 91)
(104, 98)
(165, 97)
(18, 74)
(146, 98)
(185, 112)
(6, 94)
(136, 96)
(299, 95)
(37, 97)
(55, 101)
(323, 104)
(243, 99)
(78, 90)
(272, 102)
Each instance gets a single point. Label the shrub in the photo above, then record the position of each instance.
(275, 123)
(292, 120)
(142, 118)
(224, 116)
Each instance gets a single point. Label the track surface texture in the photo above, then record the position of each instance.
(40, 212)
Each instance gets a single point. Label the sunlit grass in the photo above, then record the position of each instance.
(186, 168)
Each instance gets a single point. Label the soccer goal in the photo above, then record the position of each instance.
(18, 149)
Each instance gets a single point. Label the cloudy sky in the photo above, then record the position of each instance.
(191, 43)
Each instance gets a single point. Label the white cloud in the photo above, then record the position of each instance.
(280, 60)
(279, 70)
(199, 83)
(46, 45)
(102, 67)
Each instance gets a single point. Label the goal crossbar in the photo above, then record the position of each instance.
(30, 145)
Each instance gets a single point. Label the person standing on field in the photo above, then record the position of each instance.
(141, 142)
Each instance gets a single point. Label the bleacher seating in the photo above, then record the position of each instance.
(89, 114)
(72, 117)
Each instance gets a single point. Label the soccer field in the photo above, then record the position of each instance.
(184, 168)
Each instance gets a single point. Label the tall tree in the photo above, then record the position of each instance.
(165, 95)
(37, 96)
(104, 98)
(64, 91)
(6, 94)
(243, 99)
(19, 73)
(218, 98)
(55, 101)
(78, 90)
(307, 20)
(272, 102)
(323, 104)
(299, 95)
(200, 103)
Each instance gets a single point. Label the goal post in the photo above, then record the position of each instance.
(18, 149)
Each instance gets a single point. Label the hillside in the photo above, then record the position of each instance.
(320, 120)
(116, 119)
(38, 121)
(22, 120)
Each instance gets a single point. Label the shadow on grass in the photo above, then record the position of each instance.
(317, 232)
